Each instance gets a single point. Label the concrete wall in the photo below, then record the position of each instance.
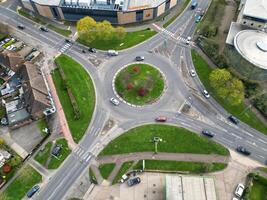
(161, 9)
(27, 5)
(173, 3)
(44, 11)
(252, 24)
(148, 14)
(128, 17)
(60, 13)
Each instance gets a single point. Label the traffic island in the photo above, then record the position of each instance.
(139, 84)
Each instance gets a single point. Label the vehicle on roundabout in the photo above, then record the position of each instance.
(208, 133)
(206, 94)
(140, 58)
(114, 101)
(161, 119)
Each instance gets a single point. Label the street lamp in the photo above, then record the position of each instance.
(156, 140)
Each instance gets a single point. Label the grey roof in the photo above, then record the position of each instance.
(256, 8)
(48, 2)
(17, 116)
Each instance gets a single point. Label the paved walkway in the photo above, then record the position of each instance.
(163, 156)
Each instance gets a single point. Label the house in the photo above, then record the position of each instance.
(4, 156)
(36, 94)
(11, 60)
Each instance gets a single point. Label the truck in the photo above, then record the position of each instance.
(194, 5)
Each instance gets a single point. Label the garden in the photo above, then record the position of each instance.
(139, 84)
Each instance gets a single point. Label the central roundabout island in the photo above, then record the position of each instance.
(139, 83)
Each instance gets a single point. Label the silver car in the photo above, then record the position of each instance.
(114, 101)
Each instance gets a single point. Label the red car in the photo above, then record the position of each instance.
(161, 119)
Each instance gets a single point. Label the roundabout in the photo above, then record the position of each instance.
(139, 84)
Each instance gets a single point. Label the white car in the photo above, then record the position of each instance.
(206, 94)
(188, 39)
(192, 73)
(113, 53)
(114, 101)
(124, 178)
(239, 190)
(235, 198)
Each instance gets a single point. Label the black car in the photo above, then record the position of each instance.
(207, 133)
(42, 28)
(140, 58)
(92, 50)
(243, 150)
(67, 40)
(233, 119)
(83, 51)
(56, 150)
(134, 181)
(21, 27)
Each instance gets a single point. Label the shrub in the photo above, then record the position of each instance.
(136, 69)
(129, 86)
(6, 168)
(142, 91)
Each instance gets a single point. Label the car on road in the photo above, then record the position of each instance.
(192, 73)
(161, 119)
(42, 28)
(83, 51)
(208, 133)
(194, 5)
(197, 18)
(134, 181)
(56, 150)
(32, 191)
(92, 50)
(114, 101)
(233, 119)
(234, 198)
(67, 40)
(20, 26)
(188, 39)
(140, 58)
(239, 190)
(206, 94)
(243, 150)
(113, 53)
(124, 178)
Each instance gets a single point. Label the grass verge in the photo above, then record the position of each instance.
(55, 162)
(31, 17)
(240, 111)
(43, 155)
(42, 125)
(83, 90)
(26, 179)
(131, 39)
(192, 167)
(92, 176)
(106, 169)
(124, 168)
(175, 140)
(258, 188)
(64, 32)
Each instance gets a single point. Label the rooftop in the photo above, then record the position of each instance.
(48, 2)
(256, 8)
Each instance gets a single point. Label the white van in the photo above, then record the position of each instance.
(112, 53)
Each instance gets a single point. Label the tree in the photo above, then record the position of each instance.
(87, 29)
(227, 86)
(2, 141)
(120, 33)
(105, 30)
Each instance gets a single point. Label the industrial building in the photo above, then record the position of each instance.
(115, 11)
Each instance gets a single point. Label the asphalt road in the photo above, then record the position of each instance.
(165, 51)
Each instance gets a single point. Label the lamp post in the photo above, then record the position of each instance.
(156, 140)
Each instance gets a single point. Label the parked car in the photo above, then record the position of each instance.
(92, 50)
(56, 150)
(234, 198)
(124, 178)
(208, 133)
(112, 53)
(206, 94)
(161, 119)
(243, 150)
(192, 73)
(239, 190)
(114, 101)
(20, 26)
(233, 119)
(134, 181)
(42, 28)
(32, 191)
(140, 58)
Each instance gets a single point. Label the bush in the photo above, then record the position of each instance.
(142, 92)
(6, 168)
(129, 86)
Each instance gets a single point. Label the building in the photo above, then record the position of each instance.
(11, 60)
(115, 11)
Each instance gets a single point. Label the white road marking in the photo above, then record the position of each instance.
(252, 143)
(225, 140)
(88, 157)
(248, 134)
(236, 136)
(264, 149)
(259, 156)
(262, 141)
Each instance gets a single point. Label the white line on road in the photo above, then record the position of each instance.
(248, 134)
(252, 143)
(264, 149)
(185, 124)
(225, 140)
(236, 136)
(262, 141)
(260, 156)
(88, 157)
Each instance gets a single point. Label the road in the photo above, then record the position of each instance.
(165, 50)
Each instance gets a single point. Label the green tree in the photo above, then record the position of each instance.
(120, 32)
(87, 29)
(2, 141)
(227, 86)
(105, 30)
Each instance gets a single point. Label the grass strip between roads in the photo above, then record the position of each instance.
(131, 39)
(25, 180)
(106, 169)
(174, 140)
(64, 32)
(83, 90)
(124, 168)
(241, 111)
(169, 165)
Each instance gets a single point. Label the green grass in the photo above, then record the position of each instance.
(42, 156)
(131, 39)
(263, 169)
(42, 125)
(31, 17)
(259, 189)
(192, 167)
(64, 32)
(186, 2)
(26, 179)
(92, 176)
(106, 169)
(83, 90)
(240, 111)
(124, 168)
(175, 140)
(148, 77)
(65, 151)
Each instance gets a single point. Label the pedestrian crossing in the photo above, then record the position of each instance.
(168, 33)
(94, 131)
(65, 48)
(82, 154)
